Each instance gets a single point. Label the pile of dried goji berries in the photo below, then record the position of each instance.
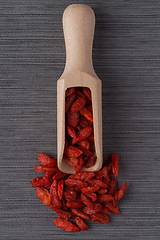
(79, 138)
(84, 195)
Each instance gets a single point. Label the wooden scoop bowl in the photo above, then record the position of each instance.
(78, 28)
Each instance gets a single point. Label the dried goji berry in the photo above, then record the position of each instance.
(82, 134)
(75, 182)
(54, 195)
(70, 195)
(121, 192)
(112, 186)
(99, 217)
(46, 160)
(105, 210)
(65, 225)
(105, 198)
(97, 183)
(98, 175)
(91, 138)
(90, 162)
(60, 175)
(79, 93)
(89, 189)
(81, 224)
(73, 118)
(109, 166)
(86, 200)
(89, 107)
(71, 160)
(112, 208)
(39, 181)
(47, 186)
(87, 114)
(102, 191)
(115, 164)
(71, 151)
(50, 173)
(78, 127)
(105, 174)
(92, 196)
(68, 101)
(39, 168)
(75, 204)
(43, 195)
(95, 209)
(87, 93)
(63, 214)
(87, 152)
(84, 143)
(83, 176)
(80, 214)
(80, 164)
(71, 131)
(60, 189)
(64, 207)
(78, 104)
(76, 189)
(69, 91)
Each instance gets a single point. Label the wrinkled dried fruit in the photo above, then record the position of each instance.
(82, 134)
(43, 195)
(69, 91)
(70, 195)
(78, 104)
(90, 162)
(105, 198)
(121, 192)
(46, 160)
(39, 181)
(97, 183)
(87, 114)
(73, 161)
(71, 151)
(86, 200)
(54, 195)
(81, 224)
(75, 204)
(73, 118)
(97, 207)
(75, 182)
(80, 214)
(112, 208)
(105, 174)
(112, 186)
(71, 131)
(79, 166)
(65, 225)
(89, 189)
(60, 189)
(99, 217)
(115, 164)
(63, 214)
(84, 143)
(87, 93)
(60, 175)
(102, 191)
(92, 196)
(83, 176)
(68, 102)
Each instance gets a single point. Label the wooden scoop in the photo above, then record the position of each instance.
(78, 28)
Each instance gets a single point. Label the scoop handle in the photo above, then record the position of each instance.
(78, 28)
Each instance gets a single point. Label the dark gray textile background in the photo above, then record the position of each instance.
(126, 57)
